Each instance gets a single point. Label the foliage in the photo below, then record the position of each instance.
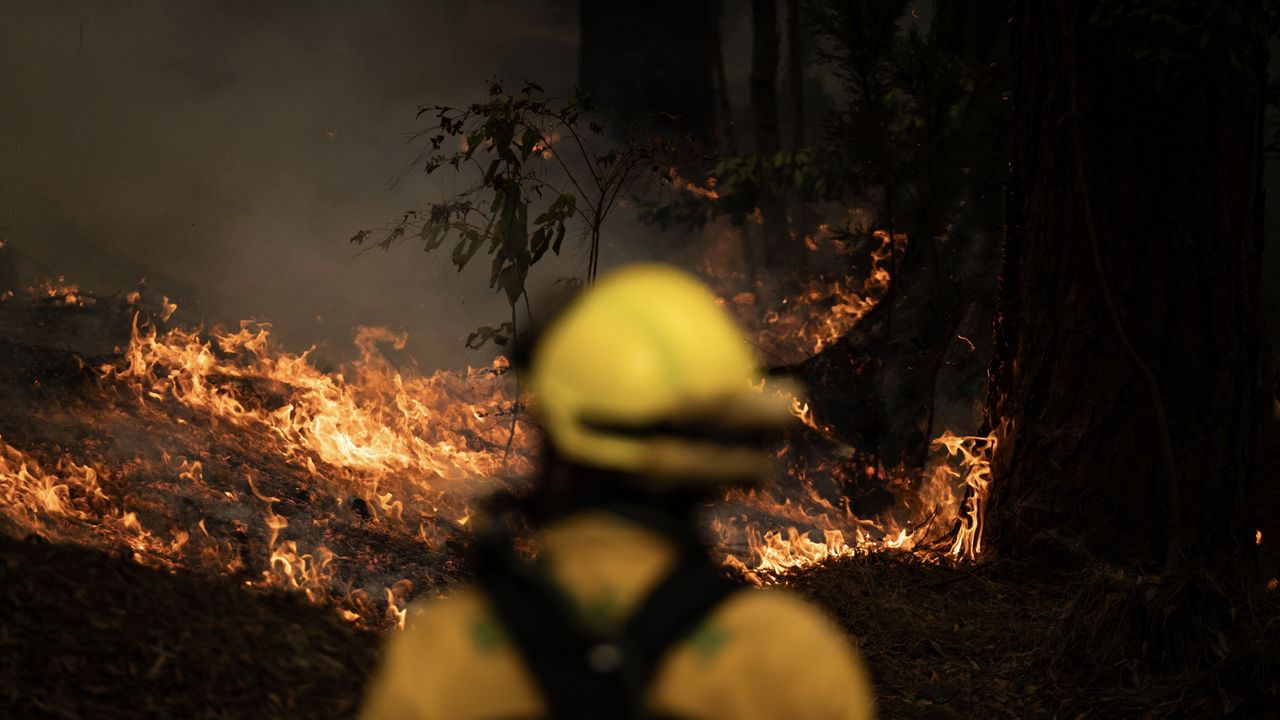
(733, 187)
(540, 170)
(917, 135)
(922, 123)
(865, 139)
(1164, 33)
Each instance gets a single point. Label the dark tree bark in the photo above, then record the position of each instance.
(1128, 317)
(727, 133)
(765, 50)
(795, 74)
(640, 60)
(764, 75)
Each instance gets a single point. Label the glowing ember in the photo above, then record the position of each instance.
(59, 292)
(707, 191)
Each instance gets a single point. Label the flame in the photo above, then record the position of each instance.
(67, 491)
(767, 532)
(771, 531)
(403, 453)
(373, 420)
(680, 184)
(975, 462)
(819, 313)
(67, 502)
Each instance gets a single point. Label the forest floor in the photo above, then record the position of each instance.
(90, 635)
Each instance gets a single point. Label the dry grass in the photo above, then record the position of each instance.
(90, 635)
(1004, 639)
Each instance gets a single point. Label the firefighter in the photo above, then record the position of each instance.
(643, 387)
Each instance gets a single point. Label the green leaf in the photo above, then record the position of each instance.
(555, 246)
(514, 223)
(538, 244)
(498, 261)
(528, 141)
(466, 249)
(488, 174)
(432, 236)
(474, 140)
(512, 282)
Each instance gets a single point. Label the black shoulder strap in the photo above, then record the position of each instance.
(582, 674)
(674, 609)
(543, 625)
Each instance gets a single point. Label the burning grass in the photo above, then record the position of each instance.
(173, 468)
(216, 451)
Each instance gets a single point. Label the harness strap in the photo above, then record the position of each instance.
(674, 609)
(581, 673)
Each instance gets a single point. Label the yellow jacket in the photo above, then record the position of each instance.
(760, 654)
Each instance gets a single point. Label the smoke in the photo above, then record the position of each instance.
(225, 151)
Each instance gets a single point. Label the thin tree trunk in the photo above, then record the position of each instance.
(725, 125)
(764, 75)
(764, 110)
(795, 80)
(795, 74)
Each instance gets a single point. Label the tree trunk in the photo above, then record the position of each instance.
(764, 75)
(1130, 284)
(641, 60)
(796, 54)
(764, 127)
(725, 130)
(795, 74)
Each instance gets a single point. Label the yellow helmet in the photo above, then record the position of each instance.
(645, 373)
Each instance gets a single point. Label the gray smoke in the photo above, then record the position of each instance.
(226, 150)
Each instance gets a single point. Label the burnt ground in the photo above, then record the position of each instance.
(1020, 640)
(90, 635)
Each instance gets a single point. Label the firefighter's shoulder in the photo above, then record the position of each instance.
(771, 654)
(453, 660)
